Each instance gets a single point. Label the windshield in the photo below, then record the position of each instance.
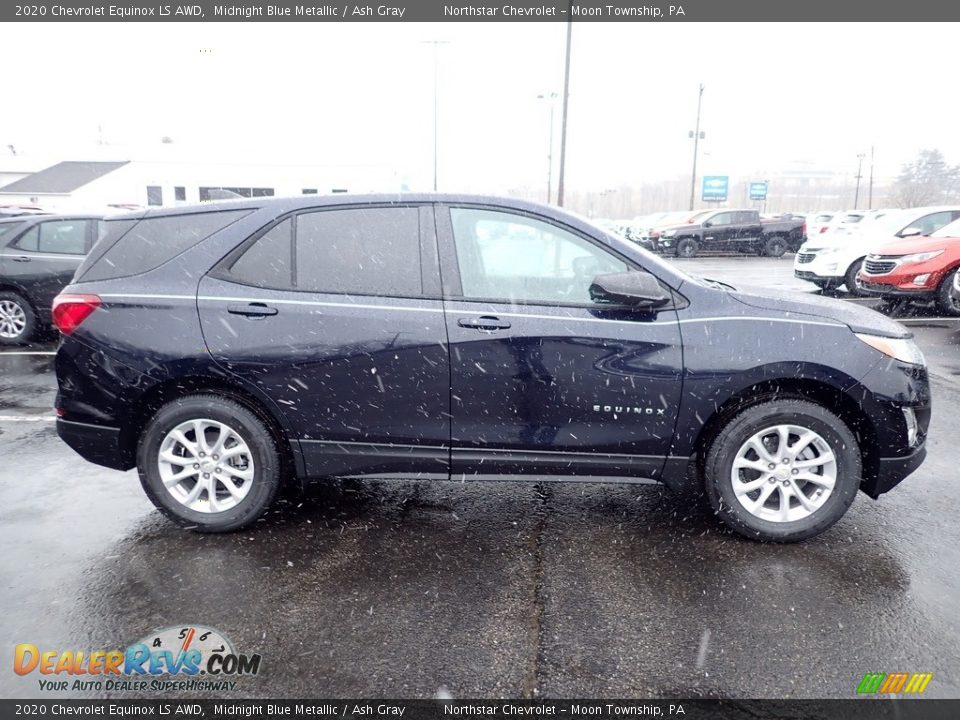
(7, 227)
(950, 230)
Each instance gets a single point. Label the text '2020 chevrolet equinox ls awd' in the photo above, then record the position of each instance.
(226, 348)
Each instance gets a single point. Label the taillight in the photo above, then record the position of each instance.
(71, 310)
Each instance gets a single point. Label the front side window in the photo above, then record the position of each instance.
(362, 251)
(933, 222)
(725, 218)
(64, 237)
(510, 257)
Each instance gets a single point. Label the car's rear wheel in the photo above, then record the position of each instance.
(687, 248)
(208, 463)
(18, 321)
(850, 279)
(775, 246)
(948, 296)
(782, 471)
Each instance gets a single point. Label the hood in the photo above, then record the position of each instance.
(856, 317)
(913, 245)
(864, 240)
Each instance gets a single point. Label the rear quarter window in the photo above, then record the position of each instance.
(131, 247)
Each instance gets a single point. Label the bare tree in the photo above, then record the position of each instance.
(928, 180)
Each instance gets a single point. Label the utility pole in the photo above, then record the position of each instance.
(563, 115)
(696, 135)
(870, 192)
(552, 99)
(856, 195)
(436, 63)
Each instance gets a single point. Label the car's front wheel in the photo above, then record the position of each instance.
(688, 248)
(948, 296)
(850, 279)
(208, 463)
(782, 471)
(18, 321)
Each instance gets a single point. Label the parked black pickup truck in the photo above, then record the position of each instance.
(733, 230)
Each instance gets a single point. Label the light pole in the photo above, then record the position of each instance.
(563, 116)
(697, 137)
(870, 192)
(856, 194)
(551, 98)
(436, 47)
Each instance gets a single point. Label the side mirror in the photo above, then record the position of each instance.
(638, 289)
(910, 232)
(708, 223)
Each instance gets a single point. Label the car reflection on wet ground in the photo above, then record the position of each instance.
(409, 589)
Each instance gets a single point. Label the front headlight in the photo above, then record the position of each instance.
(901, 349)
(828, 250)
(921, 257)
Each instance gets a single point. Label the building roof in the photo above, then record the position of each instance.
(62, 178)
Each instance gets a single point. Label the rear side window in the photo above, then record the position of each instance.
(149, 243)
(368, 251)
(268, 263)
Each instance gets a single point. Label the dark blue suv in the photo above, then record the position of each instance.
(228, 348)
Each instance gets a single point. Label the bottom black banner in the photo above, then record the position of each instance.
(894, 709)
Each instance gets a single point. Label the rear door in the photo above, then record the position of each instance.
(544, 380)
(44, 258)
(335, 314)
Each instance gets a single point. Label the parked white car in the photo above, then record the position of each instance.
(832, 259)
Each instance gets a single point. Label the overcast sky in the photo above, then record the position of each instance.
(358, 93)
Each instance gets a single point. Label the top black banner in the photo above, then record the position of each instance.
(460, 11)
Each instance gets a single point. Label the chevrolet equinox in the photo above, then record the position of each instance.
(227, 348)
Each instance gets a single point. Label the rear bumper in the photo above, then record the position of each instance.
(892, 471)
(95, 443)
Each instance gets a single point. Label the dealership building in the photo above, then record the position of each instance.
(84, 185)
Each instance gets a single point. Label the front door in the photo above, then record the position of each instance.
(44, 258)
(544, 380)
(335, 316)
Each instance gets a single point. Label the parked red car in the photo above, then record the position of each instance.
(925, 268)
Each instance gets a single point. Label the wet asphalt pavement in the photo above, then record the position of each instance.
(410, 589)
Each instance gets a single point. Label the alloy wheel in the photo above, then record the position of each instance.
(206, 465)
(784, 473)
(13, 319)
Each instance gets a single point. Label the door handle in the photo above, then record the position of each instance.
(484, 322)
(21, 258)
(252, 310)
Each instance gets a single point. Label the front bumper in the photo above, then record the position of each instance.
(885, 289)
(892, 471)
(812, 266)
(95, 443)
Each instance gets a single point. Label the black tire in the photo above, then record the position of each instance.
(18, 322)
(718, 469)
(263, 452)
(850, 278)
(688, 248)
(775, 246)
(948, 299)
